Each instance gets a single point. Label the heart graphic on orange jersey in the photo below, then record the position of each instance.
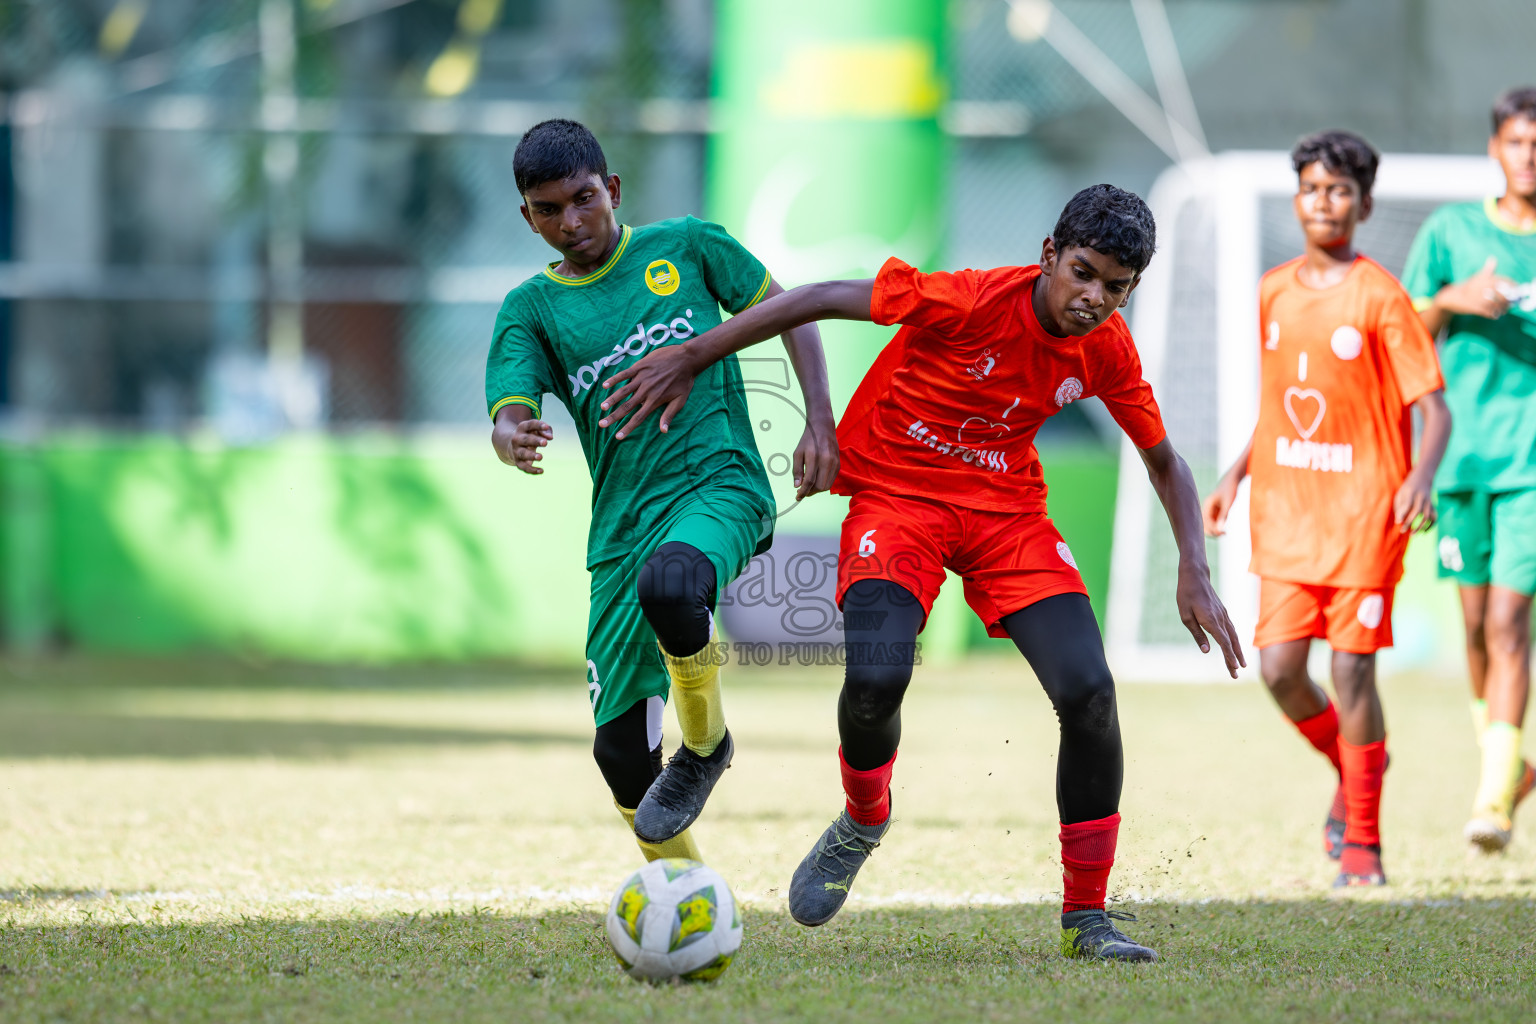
(1294, 397)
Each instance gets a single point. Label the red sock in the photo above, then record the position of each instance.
(1087, 854)
(1363, 768)
(869, 793)
(1322, 731)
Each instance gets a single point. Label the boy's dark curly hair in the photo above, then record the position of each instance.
(1519, 102)
(1109, 220)
(555, 150)
(1340, 153)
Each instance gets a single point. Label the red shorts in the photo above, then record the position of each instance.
(1353, 621)
(1008, 560)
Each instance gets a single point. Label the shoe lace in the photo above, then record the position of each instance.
(684, 771)
(1102, 930)
(849, 848)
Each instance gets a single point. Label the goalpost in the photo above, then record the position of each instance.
(1221, 223)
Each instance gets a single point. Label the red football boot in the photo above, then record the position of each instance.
(1360, 865)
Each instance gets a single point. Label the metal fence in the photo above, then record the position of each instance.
(188, 188)
(222, 189)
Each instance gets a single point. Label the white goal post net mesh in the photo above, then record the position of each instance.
(1221, 224)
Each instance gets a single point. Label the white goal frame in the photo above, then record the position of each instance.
(1234, 184)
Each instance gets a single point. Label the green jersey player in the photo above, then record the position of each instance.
(1472, 275)
(675, 516)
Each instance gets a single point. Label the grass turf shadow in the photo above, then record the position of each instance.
(42, 733)
(1309, 960)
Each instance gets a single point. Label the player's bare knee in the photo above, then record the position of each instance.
(1283, 682)
(1284, 673)
(1354, 676)
(1477, 636)
(1507, 630)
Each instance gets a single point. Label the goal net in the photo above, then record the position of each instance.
(1221, 224)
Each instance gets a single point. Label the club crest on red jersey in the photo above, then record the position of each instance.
(1070, 391)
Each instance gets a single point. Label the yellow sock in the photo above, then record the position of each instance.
(1501, 769)
(1479, 719)
(680, 845)
(696, 696)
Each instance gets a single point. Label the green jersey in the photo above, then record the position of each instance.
(1489, 365)
(664, 283)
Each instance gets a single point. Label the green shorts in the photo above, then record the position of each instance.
(623, 662)
(1489, 538)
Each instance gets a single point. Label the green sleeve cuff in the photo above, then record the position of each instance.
(515, 400)
(761, 291)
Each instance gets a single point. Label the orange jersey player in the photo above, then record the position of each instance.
(1335, 491)
(938, 456)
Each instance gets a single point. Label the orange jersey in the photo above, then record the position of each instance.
(1339, 371)
(950, 409)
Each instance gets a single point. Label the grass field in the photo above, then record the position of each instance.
(232, 842)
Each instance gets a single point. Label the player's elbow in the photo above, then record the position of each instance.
(835, 300)
(1433, 407)
(1161, 460)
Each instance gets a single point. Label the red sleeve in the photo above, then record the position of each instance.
(1129, 398)
(939, 302)
(1410, 349)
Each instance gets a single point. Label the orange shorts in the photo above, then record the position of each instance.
(1353, 621)
(1008, 560)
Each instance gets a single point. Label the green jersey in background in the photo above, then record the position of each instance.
(664, 283)
(1489, 365)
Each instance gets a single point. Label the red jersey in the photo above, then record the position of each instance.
(950, 409)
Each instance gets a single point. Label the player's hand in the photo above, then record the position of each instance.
(663, 379)
(520, 446)
(1482, 294)
(1202, 612)
(1413, 506)
(1213, 511)
(815, 460)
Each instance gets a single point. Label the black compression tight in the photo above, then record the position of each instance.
(676, 590)
(1061, 641)
(880, 624)
(1060, 638)
(624, 754)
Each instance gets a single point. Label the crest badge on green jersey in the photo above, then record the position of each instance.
(661, 277)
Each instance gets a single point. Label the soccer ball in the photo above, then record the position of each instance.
(674, 918)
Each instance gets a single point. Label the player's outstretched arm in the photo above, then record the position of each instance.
(663, 379)
(1219, 502)
(517, 437)
(1413, 507)
(1484, 294)
(815, 457)
(1200, 609)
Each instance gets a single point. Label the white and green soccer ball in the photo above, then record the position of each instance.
(674, 918)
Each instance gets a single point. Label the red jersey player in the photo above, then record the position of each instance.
(1343, 360)
(939, 459)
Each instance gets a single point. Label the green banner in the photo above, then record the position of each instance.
(827, 156)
